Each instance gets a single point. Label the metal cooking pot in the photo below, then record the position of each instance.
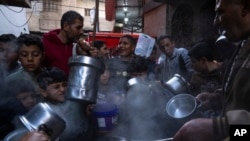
(42, 114)
(177, 84)
(182, 106)
(83, 78)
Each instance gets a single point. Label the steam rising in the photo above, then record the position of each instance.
(142, 113)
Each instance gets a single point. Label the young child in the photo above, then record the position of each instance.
(23, 91)
(208, 76)
(30, 54)
(103, 50)
(17, 98)
(52, 83)
(8, 53)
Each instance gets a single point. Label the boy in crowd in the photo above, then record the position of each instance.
(103, 50)
(8, 53)
(52, 83)
(30, 54)
(208, 76)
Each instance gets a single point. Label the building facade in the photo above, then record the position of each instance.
(186, 20)
(45, 15)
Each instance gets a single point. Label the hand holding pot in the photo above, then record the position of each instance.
(199, 129)
(84, 48)
(208, 100)
(35, 136)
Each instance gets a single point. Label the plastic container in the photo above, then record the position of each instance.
(105, 115)
(145, 45)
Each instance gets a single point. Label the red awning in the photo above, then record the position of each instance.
(111, 39)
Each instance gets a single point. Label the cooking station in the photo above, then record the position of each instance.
(144, 114)
(149, 111)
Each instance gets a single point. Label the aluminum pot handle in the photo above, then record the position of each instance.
(44, 128)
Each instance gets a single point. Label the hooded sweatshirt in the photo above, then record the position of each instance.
(57, 53)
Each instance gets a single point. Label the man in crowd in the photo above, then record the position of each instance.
(233, 17)
(58, 43)
(173, 60)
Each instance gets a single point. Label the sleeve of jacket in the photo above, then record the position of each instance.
(187, 62)
(222, 124)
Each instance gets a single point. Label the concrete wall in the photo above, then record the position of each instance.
(42, 21)
(172, 19)
(155, 22)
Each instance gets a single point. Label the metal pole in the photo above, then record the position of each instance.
(96, 20)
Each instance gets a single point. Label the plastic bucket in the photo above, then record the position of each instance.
(105, 116)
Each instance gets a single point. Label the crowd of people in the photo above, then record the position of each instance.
(35, 69)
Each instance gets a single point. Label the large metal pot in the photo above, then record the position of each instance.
(83, 78)
(177, 84)
(42, 114)
(182, 106)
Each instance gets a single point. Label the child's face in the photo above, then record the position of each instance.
(55, 92)
(198, 65)
(104, 50)
(27, 99)
(8, 54)
(30, 57)
(104, 78)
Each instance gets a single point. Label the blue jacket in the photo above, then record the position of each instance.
(178, 63)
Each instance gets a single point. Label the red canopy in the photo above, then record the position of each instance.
(111, 39)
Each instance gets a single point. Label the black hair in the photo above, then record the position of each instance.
(50, 76)
(165, 37)
(131, 39)
(16, 86)
(99, 44)
(201, 49)
(69, 17)
(9, 39)
(138, 64)
(30, 39)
